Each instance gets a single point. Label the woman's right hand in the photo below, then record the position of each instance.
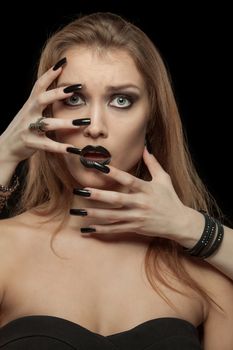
(18, 142)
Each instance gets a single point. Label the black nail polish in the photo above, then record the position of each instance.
(83, 121)
(101, 167)
(148, 145)
(87, 229)
(79, 212)
(73, 150)
(82, 192)
(60, 63)
(72, 88)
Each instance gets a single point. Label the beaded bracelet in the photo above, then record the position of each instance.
(6, 192)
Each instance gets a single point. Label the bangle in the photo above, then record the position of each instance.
(210, 240)
(6, 192)
(217, 242)
(206, 237)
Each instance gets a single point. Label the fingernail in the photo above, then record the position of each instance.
(83, 121)
(60, 63)
(79, 212)
(101, 167)
(148, 146)
(73, 150)
(72, 88)
(81, 192)
(87, 229)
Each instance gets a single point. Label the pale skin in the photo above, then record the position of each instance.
(18, 143)
(121, 206)
(112, 122)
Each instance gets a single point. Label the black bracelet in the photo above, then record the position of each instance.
(217, 242)
(206, 237)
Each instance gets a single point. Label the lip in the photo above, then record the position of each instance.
(94, 149)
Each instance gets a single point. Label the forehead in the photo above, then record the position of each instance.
(109, 66)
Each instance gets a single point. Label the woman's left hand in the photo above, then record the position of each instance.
(151, 208)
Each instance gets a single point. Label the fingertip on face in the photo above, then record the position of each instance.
(59, 64)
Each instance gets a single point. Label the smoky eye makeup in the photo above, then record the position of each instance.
(76, 100)
(121, 98)
(117, 100)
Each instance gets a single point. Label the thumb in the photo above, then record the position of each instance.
(152, 164)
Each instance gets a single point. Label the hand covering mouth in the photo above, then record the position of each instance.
(90, 154)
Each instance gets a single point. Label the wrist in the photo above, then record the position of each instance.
(6, 158)
(190, 228)
(7, 170)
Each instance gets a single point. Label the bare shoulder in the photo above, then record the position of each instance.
(12, 237)
(12, 231)
(9, 229)
(14, 241)
(17, 233)
(8, 251)
(218, 312)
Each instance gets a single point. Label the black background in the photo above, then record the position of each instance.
(195, 43)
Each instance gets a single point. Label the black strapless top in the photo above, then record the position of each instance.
(42, 332)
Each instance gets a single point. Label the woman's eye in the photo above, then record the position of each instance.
(74, 100)
(122, 101)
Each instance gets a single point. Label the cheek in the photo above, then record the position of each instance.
(130, 141)
(130, 146)
(69, 137)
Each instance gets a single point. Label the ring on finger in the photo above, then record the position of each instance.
(39, 126)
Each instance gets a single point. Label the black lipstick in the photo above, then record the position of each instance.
(91, 154)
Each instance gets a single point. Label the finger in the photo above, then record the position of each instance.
(152, 164)
(126, 179)
(113, 215)
(50, 96)
(46, 79)
(113, 228)
(51, 124)
(46, 144)
(118, 199)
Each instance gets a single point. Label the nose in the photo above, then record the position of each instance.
(98, 126)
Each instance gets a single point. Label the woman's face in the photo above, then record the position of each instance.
(114, 97)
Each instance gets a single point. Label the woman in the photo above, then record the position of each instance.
(109, 88)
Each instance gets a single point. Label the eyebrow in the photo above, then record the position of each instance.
(120, 87)
(108, 88)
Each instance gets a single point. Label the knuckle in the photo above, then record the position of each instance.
(131, 182)
(39, 83)
(96, 194)
(112, 216)
(117, 199)
(28, 142)
(89, 211)
(140, 218)
(40, 100)
(142, 205)
(43, 147)
(24, 138)
(57, 91)
(100, 229)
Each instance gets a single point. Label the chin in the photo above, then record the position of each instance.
(88, 177)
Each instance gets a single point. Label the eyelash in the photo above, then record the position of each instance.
(131, 99)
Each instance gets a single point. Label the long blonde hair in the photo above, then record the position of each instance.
(48, 186)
